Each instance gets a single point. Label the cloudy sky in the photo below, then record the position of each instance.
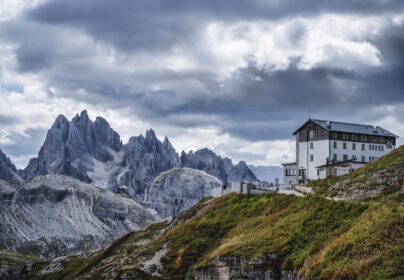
(235, 76)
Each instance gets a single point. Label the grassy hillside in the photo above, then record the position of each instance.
(312, 236)
(382, 179)
(15, 259)
(361, 237)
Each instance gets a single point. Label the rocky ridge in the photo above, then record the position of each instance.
(93, 153)
(8, 171)
(222, 168)
(54, 215)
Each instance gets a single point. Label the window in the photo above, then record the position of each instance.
(389, 145)
(354, 158)
(335, 144)
(363, 137)
(311, 145)
(363, 147)
(370, 147)
(311, 134)
(353, 146)
(345, 157)
(372, 158)
(318, 172)
(334, 135)
(335, 157)
(363, 158)
(311, 157)
(344, 136)
(354, 137)
(344, 145)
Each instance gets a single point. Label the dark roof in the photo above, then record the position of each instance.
(289, 163)
(350, 128)
(337, 163)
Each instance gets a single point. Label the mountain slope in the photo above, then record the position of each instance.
(178, 189)
(255, 237)
(55, 215)
(222, 168)
(8, 171)
(378, 179)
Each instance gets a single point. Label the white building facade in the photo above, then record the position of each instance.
(321, 144)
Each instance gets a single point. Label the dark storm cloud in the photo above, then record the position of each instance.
(156, 25)
(267, 108)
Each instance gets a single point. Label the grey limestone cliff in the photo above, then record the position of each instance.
(54, 215)
(178, 189)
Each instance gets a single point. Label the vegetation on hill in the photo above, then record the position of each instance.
(382, 179)
(15, 259)
(312, 236)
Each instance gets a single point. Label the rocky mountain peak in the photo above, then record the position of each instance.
(151, 135)
(70, 147)
(213, 164)
(167, 145)
(61, 121)
(93, 152)
(145, 158)
(8, 171)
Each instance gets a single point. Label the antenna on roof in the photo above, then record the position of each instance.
(309, 112)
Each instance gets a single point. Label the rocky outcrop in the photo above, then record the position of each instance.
(8, 171)
(369, 186)
(92, 152)
(144, 159)
(178, 189)
(242, 268)
(54, 215)
(71, 148)
(222, 168)
(15, 272)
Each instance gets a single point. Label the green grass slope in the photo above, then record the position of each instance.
(381, 179)
(15, 259)
(361, 237)
(312, 236)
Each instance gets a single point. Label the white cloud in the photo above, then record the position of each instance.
(338, 41)
(5, 139)
(10, 8)
(220, 50)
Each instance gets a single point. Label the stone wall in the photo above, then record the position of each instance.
(237, 268)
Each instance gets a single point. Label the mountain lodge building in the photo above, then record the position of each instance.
(330, 148)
